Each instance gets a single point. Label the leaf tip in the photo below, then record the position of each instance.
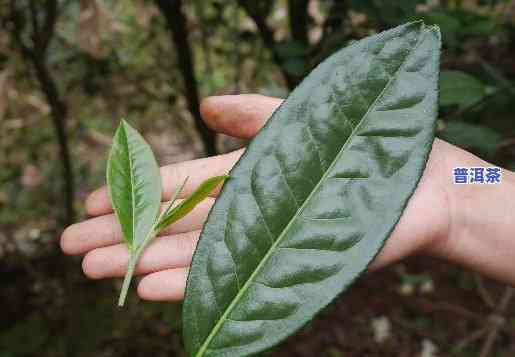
(435, 29)
(124, 124)
(121, 128)
(417, 24)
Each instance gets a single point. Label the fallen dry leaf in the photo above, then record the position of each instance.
(31, 176)
(94, 22)
(37, 103)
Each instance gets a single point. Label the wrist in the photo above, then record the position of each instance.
(481, 220)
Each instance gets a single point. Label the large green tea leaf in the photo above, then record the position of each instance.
(315, 195)
(134, 183)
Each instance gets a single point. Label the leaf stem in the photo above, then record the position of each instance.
(167, 217)
(133, 261)
(127, 280)
(136, 254)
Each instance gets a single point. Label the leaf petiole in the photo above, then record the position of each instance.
(135, 255)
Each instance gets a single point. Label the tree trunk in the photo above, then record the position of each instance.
(41, 35)
(176, 21)
(267, 35)
(299, 20)
(59, 117)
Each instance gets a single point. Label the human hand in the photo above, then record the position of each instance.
(427, 226)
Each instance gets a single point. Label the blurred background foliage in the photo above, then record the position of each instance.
(70, 69)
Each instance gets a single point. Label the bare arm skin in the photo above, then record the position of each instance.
(469, 225)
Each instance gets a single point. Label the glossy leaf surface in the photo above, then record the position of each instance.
(134, 183)
(315, 195)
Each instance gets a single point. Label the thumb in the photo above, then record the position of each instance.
(238, 115)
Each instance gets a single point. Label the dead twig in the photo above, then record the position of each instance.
(496, 321)
(467, 340)
(483, 292)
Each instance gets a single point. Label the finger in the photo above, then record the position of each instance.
(104, 230)
(172, 176)
(238, 115)
(166, 285)
(166, 252)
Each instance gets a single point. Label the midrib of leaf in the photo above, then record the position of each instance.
(133, 195)
(272, 248)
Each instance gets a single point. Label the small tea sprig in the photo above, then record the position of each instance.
(134, 183)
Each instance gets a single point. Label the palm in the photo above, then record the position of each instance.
(165, 262)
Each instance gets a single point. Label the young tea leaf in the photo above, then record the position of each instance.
(315, 195)
(174, 197)
(186, 206)
(134, 183)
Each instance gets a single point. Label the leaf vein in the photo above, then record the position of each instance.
(238, 296)
(231, 254)
(285, 179)
(315, 144)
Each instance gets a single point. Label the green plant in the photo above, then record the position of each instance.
(460, 89)
(134, 183)
(316, 194)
